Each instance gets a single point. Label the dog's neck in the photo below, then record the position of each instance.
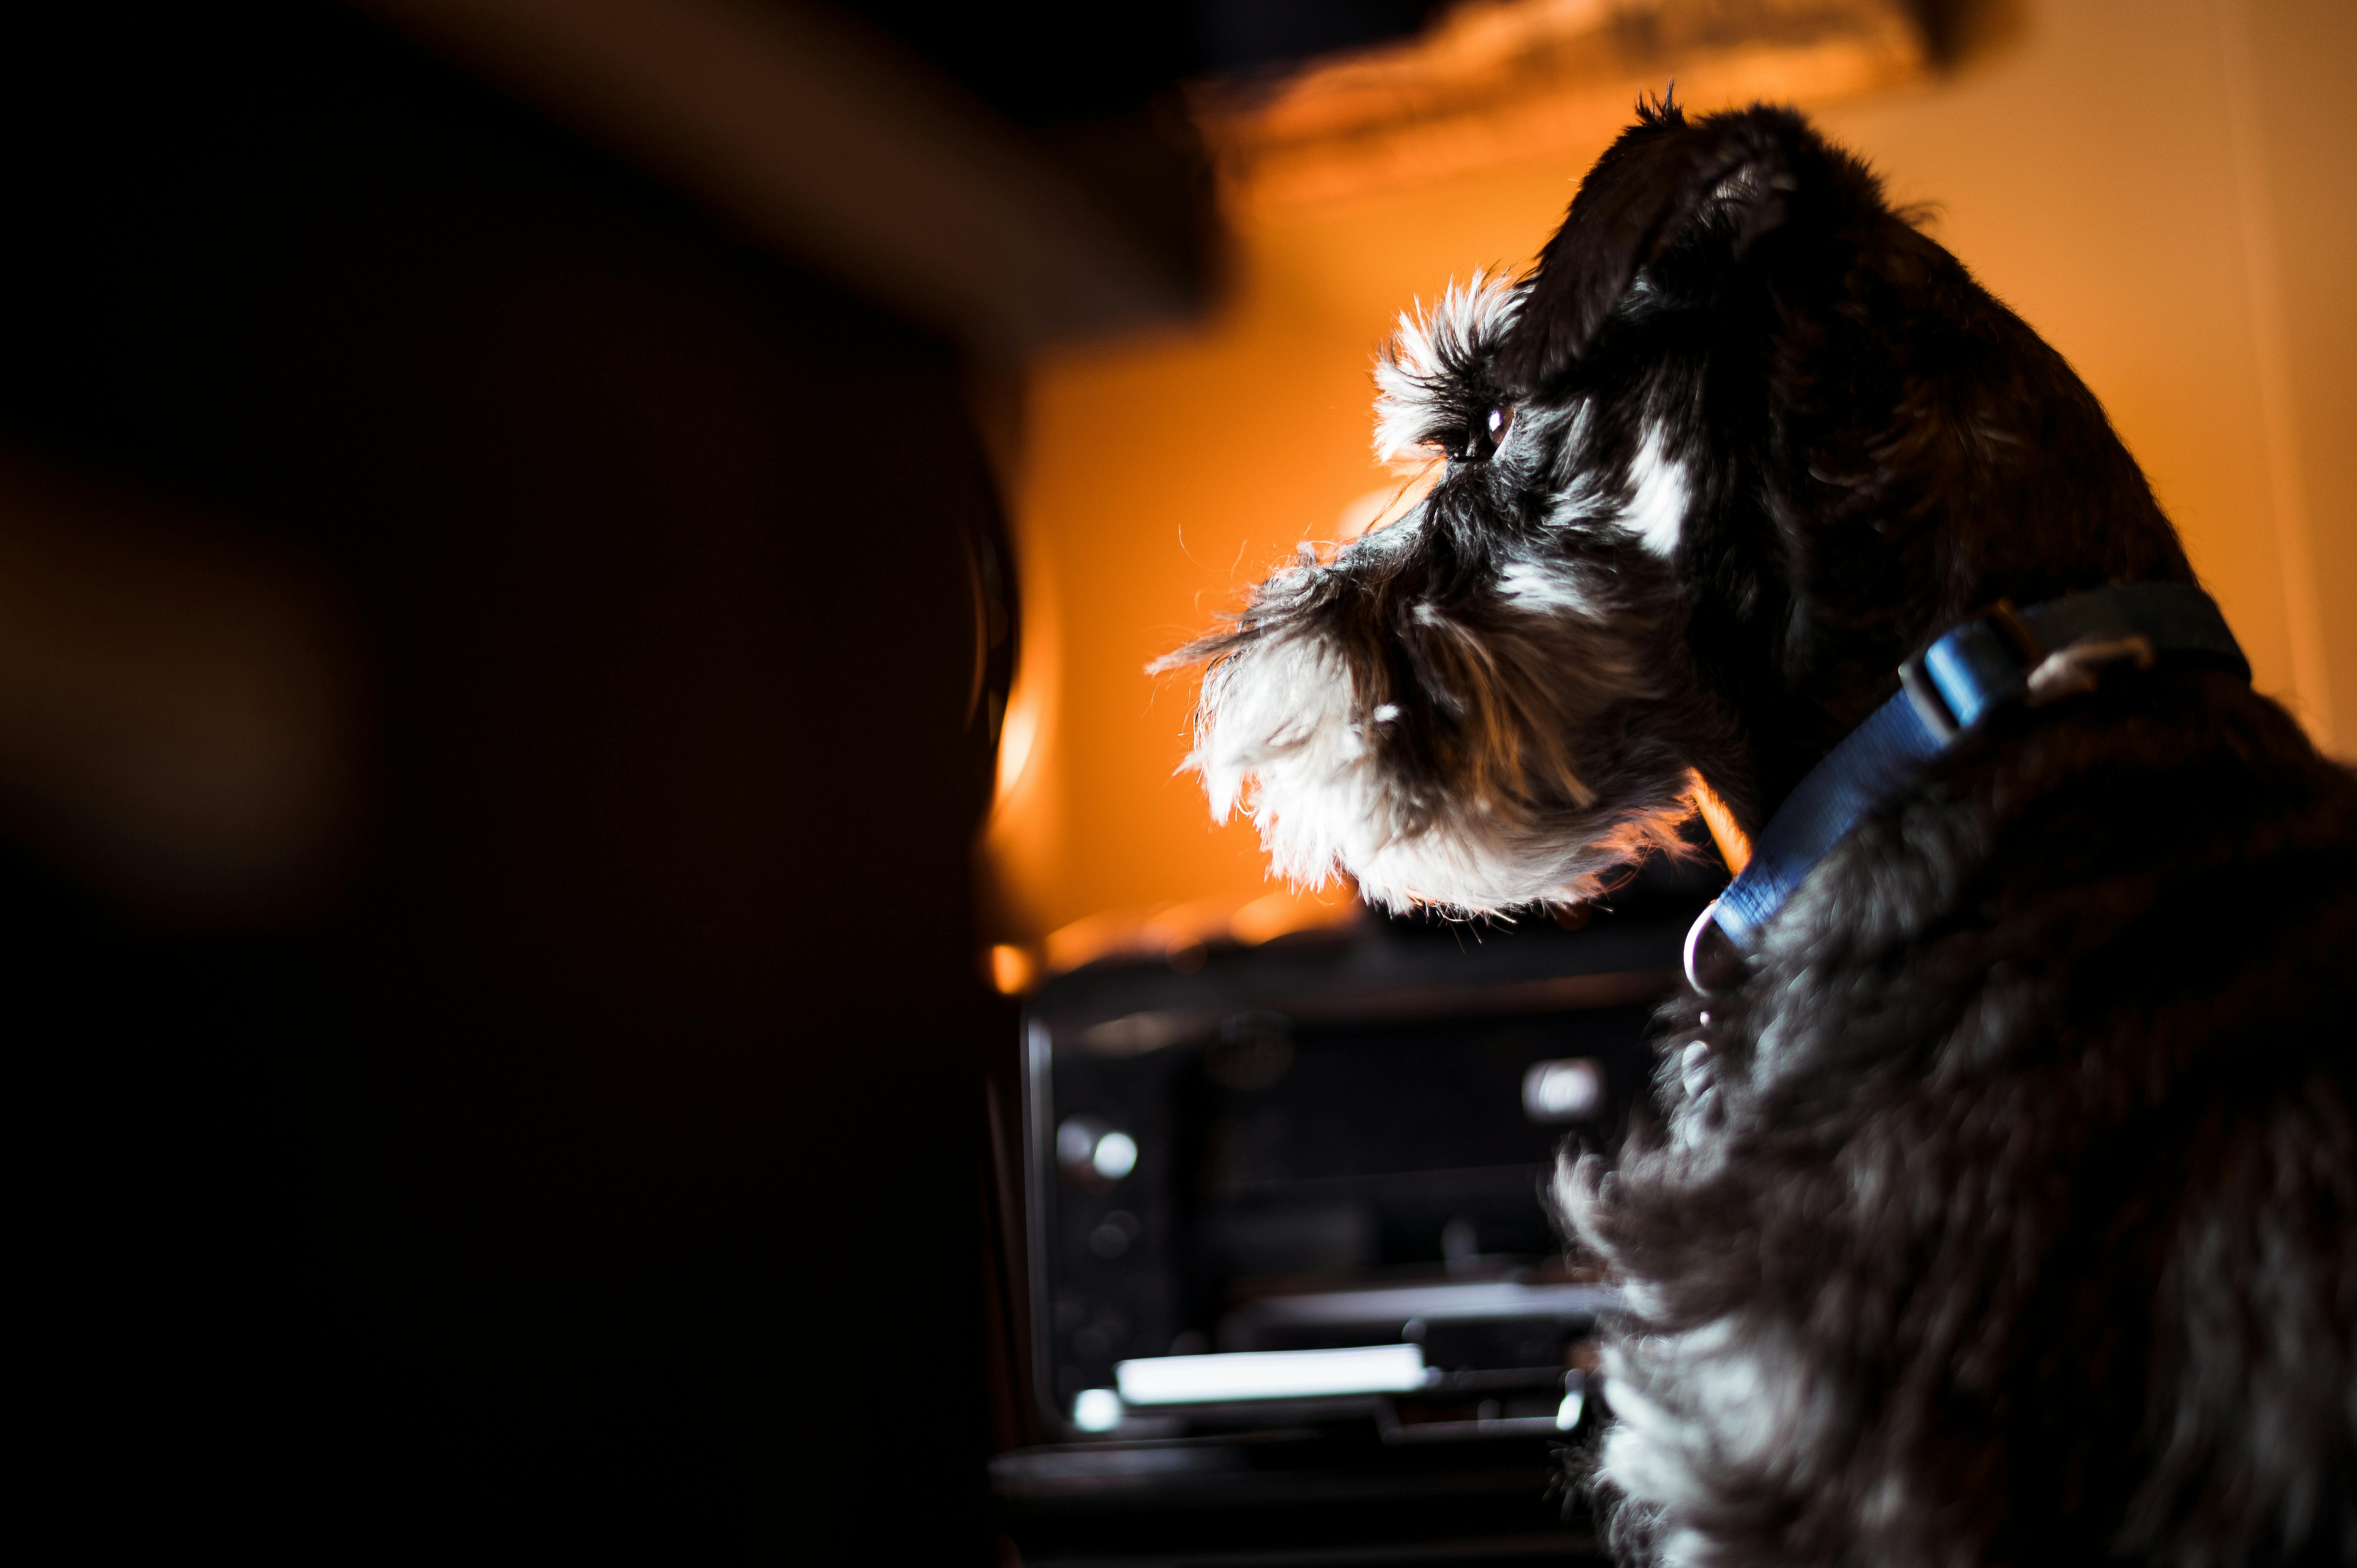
(2000, 659)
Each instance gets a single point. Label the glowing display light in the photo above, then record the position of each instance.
(1096, 1410)
(1114, 1157)
(1272, 1374)
(1567, 1090)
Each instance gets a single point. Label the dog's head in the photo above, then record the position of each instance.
(1740, 442)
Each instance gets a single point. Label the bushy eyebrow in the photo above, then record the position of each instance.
(1432, 377)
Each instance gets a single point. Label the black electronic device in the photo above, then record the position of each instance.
(1288, 1232)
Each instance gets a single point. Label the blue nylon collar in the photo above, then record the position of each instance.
(1970, 672)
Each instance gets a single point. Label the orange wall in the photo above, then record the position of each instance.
(2115, 171)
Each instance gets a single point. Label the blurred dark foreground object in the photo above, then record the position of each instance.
(503, 621)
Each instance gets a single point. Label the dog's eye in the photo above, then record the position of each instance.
(1483, 439)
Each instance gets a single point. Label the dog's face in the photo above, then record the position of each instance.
(1743, 441)
(1481, 705)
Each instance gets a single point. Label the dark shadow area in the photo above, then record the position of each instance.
(605, 1121)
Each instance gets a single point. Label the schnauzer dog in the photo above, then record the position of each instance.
(2001, 1204)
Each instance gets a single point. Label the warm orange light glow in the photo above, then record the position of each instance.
(1734, 844)
(1012, 970)
(1176, 931)
(1283, 913)
(1023, 841)
(1385, 504)
(1497, 79)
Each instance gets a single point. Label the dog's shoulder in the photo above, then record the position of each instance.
(2037, 1128)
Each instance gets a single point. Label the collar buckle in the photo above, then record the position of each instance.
(1980, 666)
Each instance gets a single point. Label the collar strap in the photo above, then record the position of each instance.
(2000, 657)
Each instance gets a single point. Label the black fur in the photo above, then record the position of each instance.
(2006, 1209)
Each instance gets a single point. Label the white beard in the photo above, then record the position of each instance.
(1284, 734)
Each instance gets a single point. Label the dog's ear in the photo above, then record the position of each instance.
(1652, 187)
